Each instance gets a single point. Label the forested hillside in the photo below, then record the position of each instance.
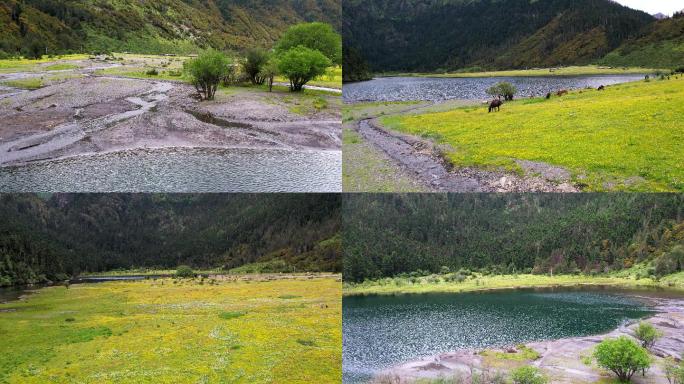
(431, 35)
(659, 45)
(52, 237)
(161, 26)
(385, 235)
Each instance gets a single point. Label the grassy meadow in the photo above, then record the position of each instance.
(175, 331)
(478, 282)
(626, 138)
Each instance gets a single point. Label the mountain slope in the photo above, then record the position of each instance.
(162, 26)
(493, 34)
(660, 45)
(68, 234)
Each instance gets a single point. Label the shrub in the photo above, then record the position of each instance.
(316, 36)
(505, 89)
(622, 356)
(444, 270)
(207, 71)
(268, 72)
(255, 59)
(674, 373)
(301, 65)
(647, 334)
(528, 375)
(152, 72)
(185, 271)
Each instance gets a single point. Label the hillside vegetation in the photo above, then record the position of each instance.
(401, 234)
(438, 35)
(165, 26)
(64, 235)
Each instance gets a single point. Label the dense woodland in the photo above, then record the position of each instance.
(160, 26)
(443, 35)
(56, 236)
(386, 235)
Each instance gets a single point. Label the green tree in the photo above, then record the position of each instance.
(301, 65)
(207, 71)
(269, 71)
(505, 89)
(317, 36)
(185, 271)
(528, 375)
(255, 60)
(647, 334)
(33, 49)
(622, 356)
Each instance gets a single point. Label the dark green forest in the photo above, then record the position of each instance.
(53, 237)
(160, 26)
(386, 235)
(444, 35)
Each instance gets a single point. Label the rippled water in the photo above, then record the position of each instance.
(181, 170)
(439, 89)
(382, 331)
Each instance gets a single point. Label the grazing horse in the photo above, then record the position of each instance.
(548, 95)
(601, 88)
(495, 105)
(562, 93)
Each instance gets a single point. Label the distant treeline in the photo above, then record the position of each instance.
(386, 235)
(56, 236)
(165, 26)
(475, 35)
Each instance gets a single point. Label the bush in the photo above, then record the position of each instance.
(268, 72)
(528, 375)
(254, 62)
(674, 373)
(207, 71)
(152, 72)
(316, 36)
(185, 271)
(33, 49)
(622, 356)
(505, 89)
(647, 334)
(301, 65)
(444, 270)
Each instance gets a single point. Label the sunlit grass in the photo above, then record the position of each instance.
(168, 331)
(29, 83)
(25, 65)
(628, 137)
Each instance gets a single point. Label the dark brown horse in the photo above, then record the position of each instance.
(495, 105)
(601, 88)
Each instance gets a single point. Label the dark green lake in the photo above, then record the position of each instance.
(382, 331)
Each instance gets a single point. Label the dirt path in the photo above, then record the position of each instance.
(565, 361)
(427, 162)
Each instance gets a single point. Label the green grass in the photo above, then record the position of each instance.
(331, 79)
(522, 353)
(626, 138)
(478, 282)
(561, 71)
(366, 169)
(29, 83)
(60, 67)
(26, 65)
(170, 331)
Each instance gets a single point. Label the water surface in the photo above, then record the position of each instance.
(382, 331)
(440, 89)
(181, 170)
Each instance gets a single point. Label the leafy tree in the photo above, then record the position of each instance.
(528, 375)
(674, 372)
(317, 36)
(647, 334)
(255, 60)
(505, 89)
(207, 71)
(301, 65)
(622, 356)
(185, 271)
(33, 49)
(269, 71)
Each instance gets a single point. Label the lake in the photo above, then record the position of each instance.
(440, 89)
(380, 332)
(181, 170)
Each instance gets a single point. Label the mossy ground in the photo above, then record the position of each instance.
(161, 331)
(479, 282)
(626, 138)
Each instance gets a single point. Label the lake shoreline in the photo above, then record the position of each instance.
(563, 360)
(511, 282)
